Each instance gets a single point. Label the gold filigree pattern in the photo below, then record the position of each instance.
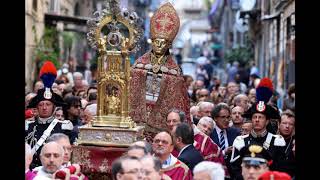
(104, 167)
(82, 156)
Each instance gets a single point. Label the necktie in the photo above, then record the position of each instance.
(222, 141)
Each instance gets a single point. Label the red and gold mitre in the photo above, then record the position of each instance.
(165, 23)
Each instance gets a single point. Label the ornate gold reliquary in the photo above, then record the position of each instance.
(114, 33)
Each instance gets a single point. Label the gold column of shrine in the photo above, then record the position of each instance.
(115, 34)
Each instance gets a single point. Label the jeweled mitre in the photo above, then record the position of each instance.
(165, 23)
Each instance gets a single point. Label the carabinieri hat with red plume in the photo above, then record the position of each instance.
(48, 74)
(264, 92)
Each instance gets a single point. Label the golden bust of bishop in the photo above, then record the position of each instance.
(156, 84)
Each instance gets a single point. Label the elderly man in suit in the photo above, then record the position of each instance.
(222, 134)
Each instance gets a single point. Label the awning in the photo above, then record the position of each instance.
(49, 18)
(271, 16)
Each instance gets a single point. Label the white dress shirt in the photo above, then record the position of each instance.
(41, 174)
(170, 161)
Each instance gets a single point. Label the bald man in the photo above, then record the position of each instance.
(51, 157)
(171, 166)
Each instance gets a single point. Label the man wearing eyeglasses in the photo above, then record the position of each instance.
(222, 134)
(127, 168)
(162, 147)
(72, 112)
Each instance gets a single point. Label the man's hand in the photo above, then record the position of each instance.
(228, 150)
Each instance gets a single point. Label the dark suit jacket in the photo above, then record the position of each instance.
(191, 157)
(232, 133)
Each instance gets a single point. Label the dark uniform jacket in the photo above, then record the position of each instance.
(275, 144)
(34, 131)
(290, 162)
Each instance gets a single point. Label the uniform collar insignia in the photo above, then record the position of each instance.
(45, 120)
(255, 135)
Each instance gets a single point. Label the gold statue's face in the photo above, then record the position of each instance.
(160, 46)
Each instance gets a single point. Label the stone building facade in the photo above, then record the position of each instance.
(36, 19)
